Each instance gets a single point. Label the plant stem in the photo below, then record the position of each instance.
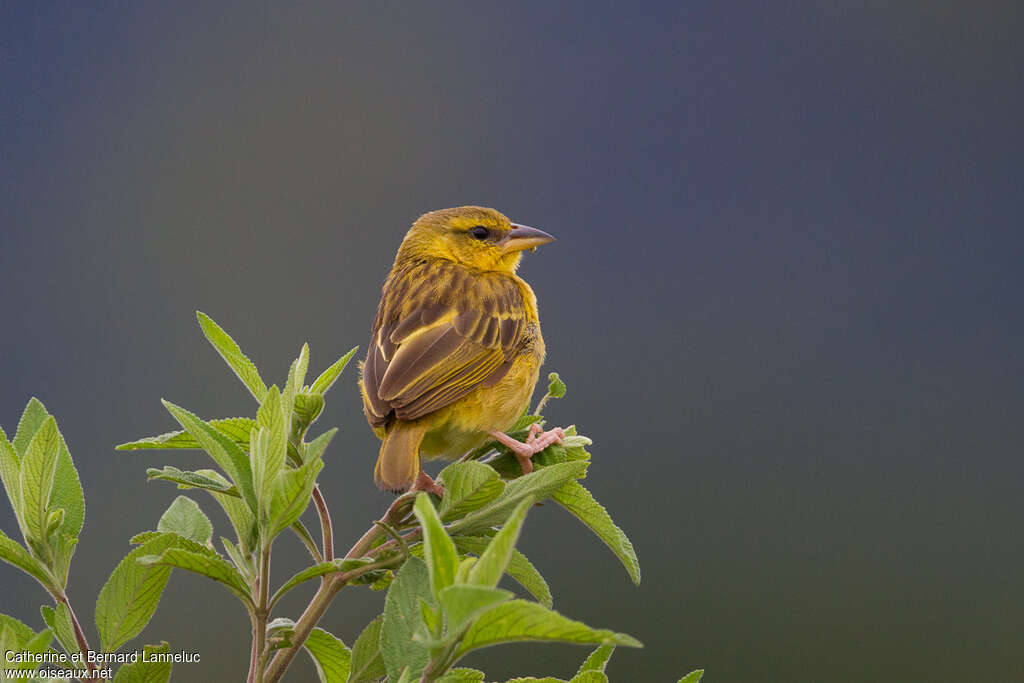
(325, 523)
(254, 655)
(83, 644)
(314, 611)
(259, 619)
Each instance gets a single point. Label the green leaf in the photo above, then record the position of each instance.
(405, 677)
(242, 519)
(38, 468)
(185, 518)
(520, 620)
(59, 621)
(598, 659)
(307, 408)
(330, 567)
(63, 546)
(519, 568)
(590, 677)
(37, 644)
(580, 502)
(10, 475)
(235, 428)
(15, 632)
(14, 553)
(438, 548)
(468, 486)
(211, 480)
(326, 379)
(402, 619)
(270, 449)
(31, 420)
(291, 497)
(539, 484)
(332, 659)
(491, 565)
(232, 459)
(463, 603)
(556, 387)
(367, 661)
(204, 562)
(315, 448)
(131, 594)
(147, 671)
(233, 356)
(693, 677)
(462, 675)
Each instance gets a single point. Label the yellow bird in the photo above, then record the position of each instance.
(455, 349)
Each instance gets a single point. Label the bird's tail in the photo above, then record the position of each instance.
(398, 464)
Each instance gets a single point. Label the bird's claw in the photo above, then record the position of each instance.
(536, 441)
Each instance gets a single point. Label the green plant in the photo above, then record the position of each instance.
(440, 560)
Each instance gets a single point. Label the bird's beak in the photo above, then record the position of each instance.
(522, 237)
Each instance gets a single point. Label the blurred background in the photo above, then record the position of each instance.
(786, 295)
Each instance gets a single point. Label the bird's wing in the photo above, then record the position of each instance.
(440, 333)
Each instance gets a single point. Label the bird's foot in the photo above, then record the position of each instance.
(425, 483)
(536, 441)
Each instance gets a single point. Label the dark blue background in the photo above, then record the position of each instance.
(786, 294)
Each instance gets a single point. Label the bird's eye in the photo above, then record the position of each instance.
(479, 232)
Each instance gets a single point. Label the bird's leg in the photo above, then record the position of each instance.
(425, 483)
(537, 441)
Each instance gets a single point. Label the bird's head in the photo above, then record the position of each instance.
(471, 236)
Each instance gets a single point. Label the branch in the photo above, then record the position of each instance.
(314, 611)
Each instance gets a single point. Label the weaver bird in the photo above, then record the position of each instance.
(455, 349)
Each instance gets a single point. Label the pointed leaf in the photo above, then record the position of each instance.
(332, 659)
(205, 563)
(519, 568)
(211, 480)
(315, 448)
(268, 457)
(590, 677)
(14, 553)
(439, 550)
(185, 518)
(292, 495)
(63, 546)
(147, 671)
(693, 677)
(337, 565)
(233, 356)
(540, 484)
(520, 620)
(38, 468)
(402, 619)
(241, 517)
(308, 408)
(462, 675)
(463, 603)
(37, 644)
(235, 428)
(326, 379)
(10, 475)
(598, 659)
(367, 661)
(488, 569)
(468, 486)
(580, 502)
(232, 459)
(59, 620)
(131, 594)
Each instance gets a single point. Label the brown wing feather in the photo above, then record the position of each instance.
(434, 343)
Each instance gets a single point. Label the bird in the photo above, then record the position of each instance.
(455, 348)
